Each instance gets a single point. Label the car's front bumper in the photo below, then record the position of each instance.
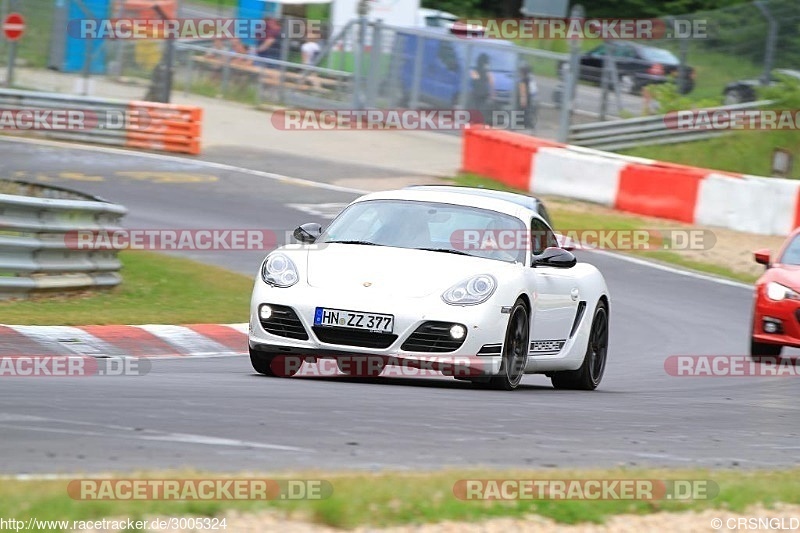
(785, 314)
(485, 323)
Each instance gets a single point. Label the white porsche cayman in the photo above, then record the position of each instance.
(470, 279)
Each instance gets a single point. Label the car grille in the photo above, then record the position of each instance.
(797, 314)
(491, 349)
(354, 337)
(433, 337)
(284, 322)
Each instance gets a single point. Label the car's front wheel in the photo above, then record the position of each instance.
(628, 84)
(588, 376)
(515, 349)
(276, 366)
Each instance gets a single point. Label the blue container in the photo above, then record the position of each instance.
(257, 9)
(77, 48)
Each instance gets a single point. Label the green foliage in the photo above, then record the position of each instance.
(462, 8)
(669, 99)
(785, 94)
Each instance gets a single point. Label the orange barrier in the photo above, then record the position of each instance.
(660, 190)
(652, 188)
(145, 9)
(505, 156)
(165, 127)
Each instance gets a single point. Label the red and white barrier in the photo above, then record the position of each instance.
(769, 206)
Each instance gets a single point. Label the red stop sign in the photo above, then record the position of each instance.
(14, 26)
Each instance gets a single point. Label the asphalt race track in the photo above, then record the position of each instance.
(216, 414)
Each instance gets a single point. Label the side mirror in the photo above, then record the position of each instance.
(556, 258)
(565, 242)
(308, 233)
(762, 257)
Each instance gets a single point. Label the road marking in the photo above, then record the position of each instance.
(674, 270)
(186, 161)
(167, 177)
(141, 434)
(329, 211)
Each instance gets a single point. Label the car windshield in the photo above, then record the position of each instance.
(427, 226)
(659, 55)
(792, 254)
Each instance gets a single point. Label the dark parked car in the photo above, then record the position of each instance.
(745, 90)
(637, 65)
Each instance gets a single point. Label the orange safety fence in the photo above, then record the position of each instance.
(661, 190)
(165, 127)
(502, 155)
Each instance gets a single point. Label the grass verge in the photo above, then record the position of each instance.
(576, 215)
(387, 499)
(156, 289)
(748, 152)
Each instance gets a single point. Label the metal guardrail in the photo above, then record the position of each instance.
(645, 131)
(145, 125)
(36, 254)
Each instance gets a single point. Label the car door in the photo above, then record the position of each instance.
(592, 64)
(628, 61)
(556, 296)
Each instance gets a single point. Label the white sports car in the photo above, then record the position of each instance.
(470, 280)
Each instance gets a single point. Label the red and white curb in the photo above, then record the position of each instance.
(157, 341)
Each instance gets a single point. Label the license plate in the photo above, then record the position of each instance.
(353, 319)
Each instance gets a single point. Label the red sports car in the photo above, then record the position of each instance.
(776, 317)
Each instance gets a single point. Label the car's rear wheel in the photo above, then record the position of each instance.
(589, 375)
(276, 366)
(515, 349)
(733, 97)
(760, 350)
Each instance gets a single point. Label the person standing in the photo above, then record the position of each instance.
(482, 95)
(270, 47)
(309, 53)
(527, 92)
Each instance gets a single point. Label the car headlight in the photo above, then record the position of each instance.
(279, 271)
(472, 291)
(778, 292)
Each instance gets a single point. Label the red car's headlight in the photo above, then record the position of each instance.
(778, 292)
